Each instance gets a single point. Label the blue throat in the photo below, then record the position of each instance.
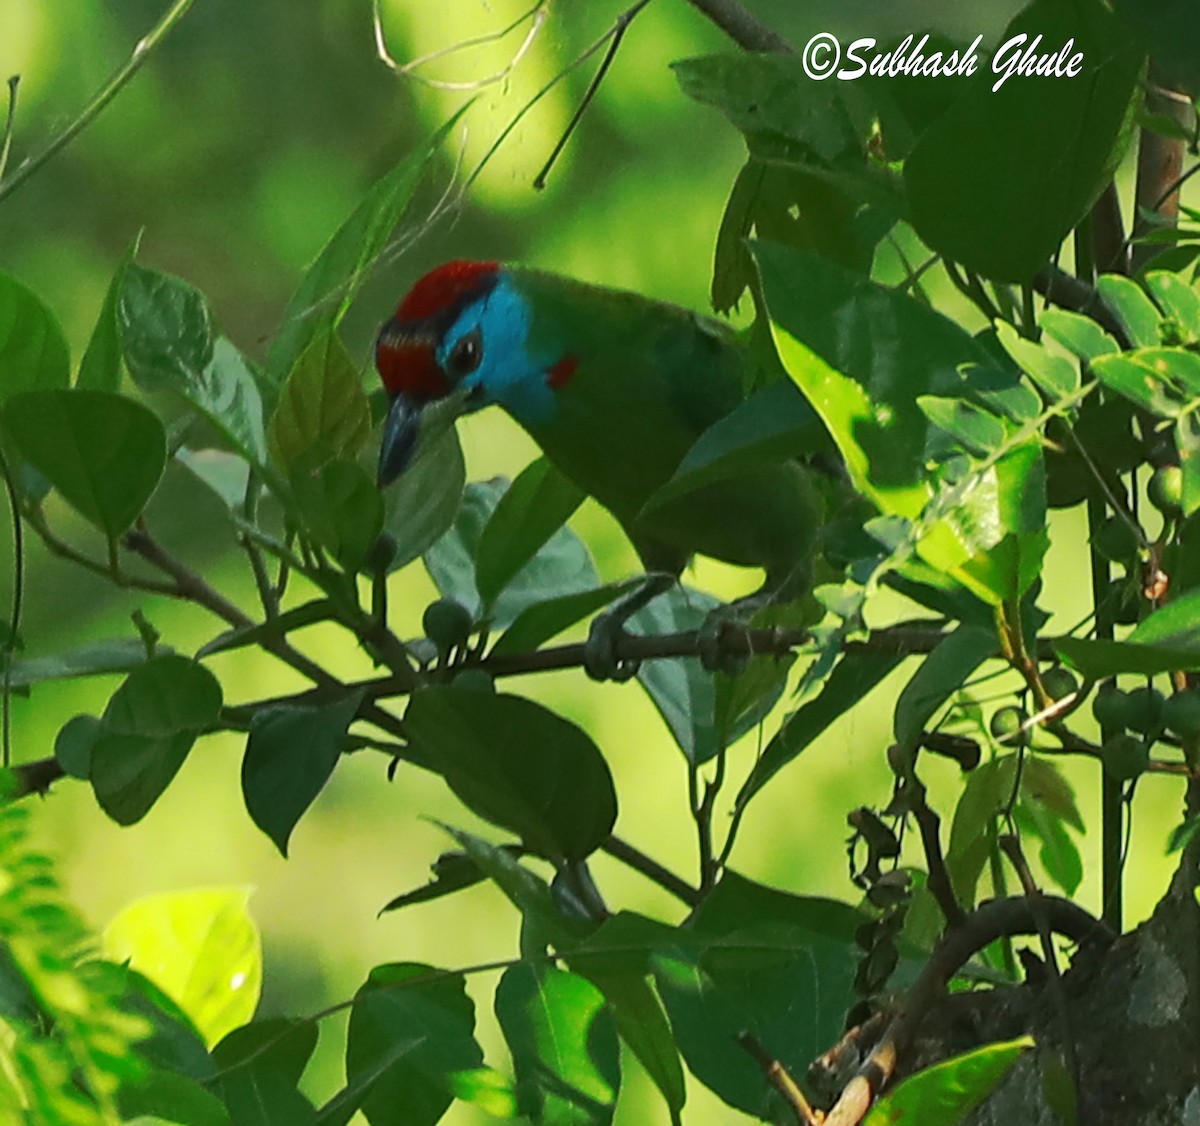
(508, 373)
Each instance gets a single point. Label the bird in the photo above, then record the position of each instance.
(615, 388)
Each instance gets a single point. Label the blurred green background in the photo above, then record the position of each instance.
(235, 153)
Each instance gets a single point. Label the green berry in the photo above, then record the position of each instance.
(1059, 683)
(1116, 540)
(1166, 490)
(1111, 708)
(1145, 710)
(1181, 713)
(1007, 722)
(1125, 756)
(475, 680)
(447, 623)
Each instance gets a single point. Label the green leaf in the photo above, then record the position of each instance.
(227, 395)
(341, 507)
(770, 426)
(33, 350)
(149, 726)
(323, 408)
(1058, 854)
(104, 453)
(562, 566)
(1096, 659)
(939, 676)
(1176, 625)
(851, 680)
(411, 1032)
(420, 507)
(778, 966)
(92, 658)
(533, 508)
(226, 474)
(199, 947)
(452, 871)
(542, 621)
(260, 1067)
(1080, 335)
(529, 893)
(946, 1093)
(518, 765)
(989, 789)
(563, 1044)
(1163, 380)
(978, 431)
(290, 755)
(1177, 299)
(74, 743)
(1055, 375)
(347, 259)
(100, 368)
(1135, 312)
(972, 173)
(616, 959)
(166, 329)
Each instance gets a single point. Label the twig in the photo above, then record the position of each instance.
(10, 121)
(18, 602)
(115, 84)
(781, 1079)
(618, 33)
(651, 869)
(939, 878)
(743, 27)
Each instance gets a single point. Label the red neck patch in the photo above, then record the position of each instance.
(444, 288)
(562, 372)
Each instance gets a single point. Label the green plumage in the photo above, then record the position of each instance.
(651, 378)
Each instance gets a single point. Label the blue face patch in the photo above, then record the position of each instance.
(507, 373)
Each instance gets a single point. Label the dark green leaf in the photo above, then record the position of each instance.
(149, 726)
(100, 368)
(323, 408)
(174, 1100)
(166, 329)
(989, 789)
(562, 566)
(940, 675)
(411, 1030)
(943, 1095)
(851, 680)
(519, 766)
(33, 350)
(90, 659)
(421, 505)
(563, 1044)
(341, 507)
(1096, 659)
(452, 871)
(772, 425)
(780, 967)
(260, 1066)
(347, 259)
(1057, 852)
(104, 453)
(74, 743)
(542, 621)
(972, 173)
(1163, 380)
(290, 755)
(533, 508)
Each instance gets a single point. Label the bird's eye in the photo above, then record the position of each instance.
(465, 355)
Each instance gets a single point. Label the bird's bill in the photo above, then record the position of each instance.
(400, 432)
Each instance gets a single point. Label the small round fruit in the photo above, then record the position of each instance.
(447, 623)
(1125, 601)
(1181, 713)
(1145, 710)
(1111, 708)
(1059, 683)
(1007, 723)
(1125, 756)
(1166, 490)
(475, 680)
(1116, 540)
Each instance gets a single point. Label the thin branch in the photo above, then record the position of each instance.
(781, 1079)
(10, 122)
(115, 84)
(651, 869)
(618, 33)
(18, 602)
(744, 28)
(939, 878)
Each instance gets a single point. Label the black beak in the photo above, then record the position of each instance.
(400, 433)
